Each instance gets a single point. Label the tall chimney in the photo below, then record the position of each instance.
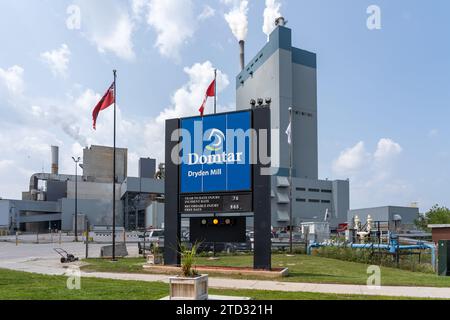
(242, 53)
(55, 160)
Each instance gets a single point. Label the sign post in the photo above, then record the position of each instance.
(219, 174)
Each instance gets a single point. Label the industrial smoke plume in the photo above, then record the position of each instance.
(271, 13)
(237, 19)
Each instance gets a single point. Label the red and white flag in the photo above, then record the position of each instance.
(107, 100)
(211, 92)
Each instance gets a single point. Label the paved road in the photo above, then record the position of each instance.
(41, 259)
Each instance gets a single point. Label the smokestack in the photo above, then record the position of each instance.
(242, 54)
(55, 160)
(280, 22)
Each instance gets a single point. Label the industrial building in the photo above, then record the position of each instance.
(50, 201)
(288, 76)
(280, 72)
(394, 218)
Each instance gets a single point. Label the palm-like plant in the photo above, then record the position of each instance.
(188, 261)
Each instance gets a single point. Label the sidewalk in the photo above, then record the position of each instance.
(53, 267)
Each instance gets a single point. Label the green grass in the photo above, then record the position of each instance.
(26, 286)
(15, 285)
(302, 268)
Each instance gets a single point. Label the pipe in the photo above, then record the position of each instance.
(55, 159)
(242, 54)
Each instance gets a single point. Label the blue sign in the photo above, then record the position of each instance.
(216, 153)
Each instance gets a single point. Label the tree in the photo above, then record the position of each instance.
(437, 215)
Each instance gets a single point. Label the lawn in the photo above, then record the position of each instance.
(15, 285)
(309, 269)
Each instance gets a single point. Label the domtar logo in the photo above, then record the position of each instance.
(219, 139)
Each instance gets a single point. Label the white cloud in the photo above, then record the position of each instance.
(351, 159)
(108, 25)
(271, 12)
(5, 164)
(58, 60)
(185, 102)
(237, 18)
(174, 23)
(387, 150)
(139, 7)
(207, 13)
(12, 80)
(373, 178)
(68, 123)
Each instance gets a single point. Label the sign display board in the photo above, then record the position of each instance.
(219, 182)
(241, 202)
(216, 173)
(218, 230)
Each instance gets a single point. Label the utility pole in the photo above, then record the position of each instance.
(114, 175)
(291, 154)
(215, 91)
(76, 160)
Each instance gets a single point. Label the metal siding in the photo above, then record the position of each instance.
(56, 190)
(4, 213)
(99, 212)
(147, 168)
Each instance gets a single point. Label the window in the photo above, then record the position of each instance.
(301, 189)
(326, 201)
(314, 201)
(327, 191)
(314, 190)
(301, 200)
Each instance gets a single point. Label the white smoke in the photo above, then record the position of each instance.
(237, 19)
(271, 13)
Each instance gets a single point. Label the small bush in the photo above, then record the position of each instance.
(375, 257)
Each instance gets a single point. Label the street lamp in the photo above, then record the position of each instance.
(76, 160)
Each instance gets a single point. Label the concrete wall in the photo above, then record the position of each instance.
(91, 190)
(311, 199)
(99, 212)
(287, 75)
(98, 164)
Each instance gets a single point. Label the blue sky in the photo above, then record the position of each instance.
(383, 94)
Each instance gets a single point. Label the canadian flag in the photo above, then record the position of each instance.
(107, 100)
(211, 92)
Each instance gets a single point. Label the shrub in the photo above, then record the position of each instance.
(373, 257)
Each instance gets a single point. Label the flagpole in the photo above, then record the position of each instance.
(290, 182)
(114, 175)
(215, 91)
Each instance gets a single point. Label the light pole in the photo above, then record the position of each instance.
(76, 160)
